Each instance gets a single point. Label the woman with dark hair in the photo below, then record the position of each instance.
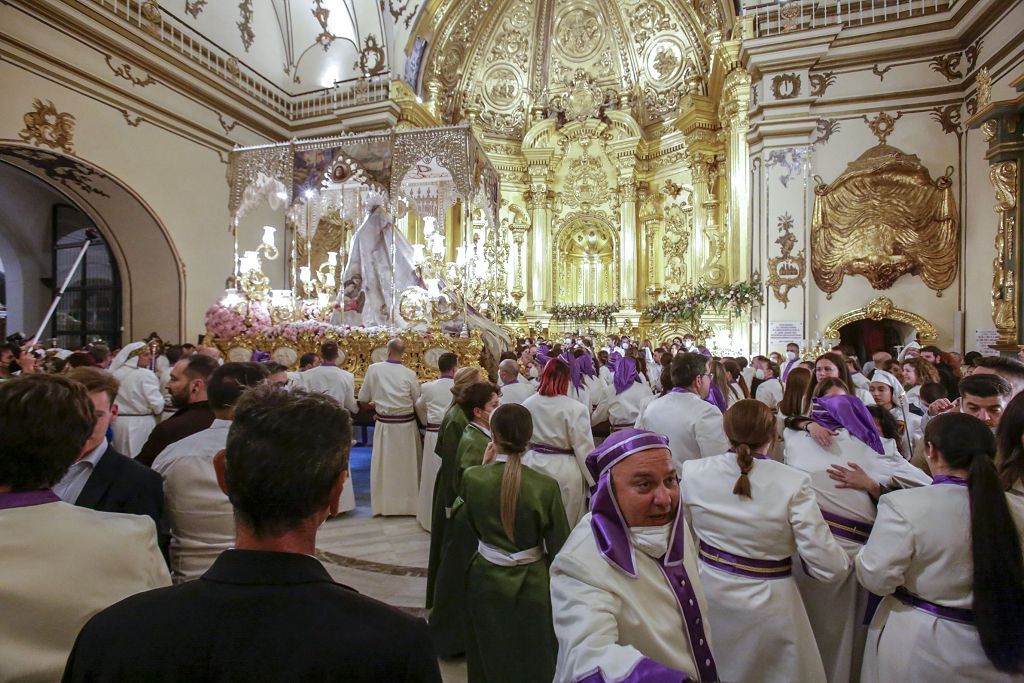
(948, 560)
(833, 365)
(752, 515)
(738, 389)
(562, 439)
(1010, 455)
(519, 523)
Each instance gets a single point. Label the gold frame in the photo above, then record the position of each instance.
(882, 308)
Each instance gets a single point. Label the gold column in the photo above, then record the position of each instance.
(735, 124)
(704, 169)
(627, 242)
(538, 200)
(519, 263)
(1005, 314)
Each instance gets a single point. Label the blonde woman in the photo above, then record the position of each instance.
(520, 525)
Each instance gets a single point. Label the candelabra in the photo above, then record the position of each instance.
(320, 286)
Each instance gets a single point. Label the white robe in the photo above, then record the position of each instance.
(921, 541)
(597, 389)
(769, 392)
(692, 425)
(759, 626)
(139, 402)
(435, 399)
(562, 422)
(605, 620)
(395, 459)
(623, 410)
(341, 386)
(605, 374)
(836, 610)
(516, 392)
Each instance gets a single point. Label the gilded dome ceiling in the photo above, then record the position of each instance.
(507, 62)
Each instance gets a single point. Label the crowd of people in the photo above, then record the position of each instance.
(608, 510)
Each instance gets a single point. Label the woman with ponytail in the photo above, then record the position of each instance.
(752, 515)
(947, 558)
(517, 516)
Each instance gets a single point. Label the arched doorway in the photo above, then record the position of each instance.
(585, 261)
(880, 326)
(151, 275)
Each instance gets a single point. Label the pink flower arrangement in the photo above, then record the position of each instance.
(223, 322)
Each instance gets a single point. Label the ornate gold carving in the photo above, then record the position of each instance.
(194, 7)
(125, 71)
(786, 86)
(372, 60)
(948, 117)
(789, 16)
(512, 43)
(984, 82)
(647, 19)
(232, 67)
(586, 182)
(678, 228)
(882, 125)
(1004, 276)
(151, 11)
(398, 10)
(882, 218)
(882, 308)
(787, 271)
(989, 129)
(46, 126)
(578, 33)
(245, 31)
(584, 99)
(821, 82)
(948, 66)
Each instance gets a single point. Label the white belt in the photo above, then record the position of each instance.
(503, 559)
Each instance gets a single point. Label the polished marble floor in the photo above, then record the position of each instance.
(382, 557)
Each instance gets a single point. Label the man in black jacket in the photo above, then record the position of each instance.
(103, 479)
(266, 610)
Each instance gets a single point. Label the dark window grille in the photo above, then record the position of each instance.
(91, 308)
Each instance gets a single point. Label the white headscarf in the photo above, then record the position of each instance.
(903, 352)
(129, 355)
(899, 402)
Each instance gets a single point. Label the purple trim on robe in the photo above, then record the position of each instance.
(686, 599)
(680, 390)
(850, 529)
(847, 412)
(625, 375)
(949, 479)
(394, 419)
(645, 670)
(720, 559)
(756, 456)
(575, 375)
(24, 499)
(789, 368)
(259, 357)
(958, 614)
(550, 450)
(394, 362)
(716, 398)
(586, 363)
(613, 360)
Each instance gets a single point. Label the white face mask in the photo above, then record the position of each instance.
(791, 355)
(651, 540)
(688, 343)
(759, 373)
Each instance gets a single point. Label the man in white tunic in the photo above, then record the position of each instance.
(625, 591)
(434, 401)
(391, 389)
(139, 399)
(513, 389)
(693, 426)
(328, 378)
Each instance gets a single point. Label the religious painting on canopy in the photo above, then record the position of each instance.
(883, 218)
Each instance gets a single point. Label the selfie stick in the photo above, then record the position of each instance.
(90, 235)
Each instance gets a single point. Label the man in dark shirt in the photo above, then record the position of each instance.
(188, 394)
(933, 354)
(266, 610)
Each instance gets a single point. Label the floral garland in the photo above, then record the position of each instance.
(228, 322)
(738, 298)
(509, 312)
(584, 312)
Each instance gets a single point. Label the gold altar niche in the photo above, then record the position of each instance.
(428, 199)
(619, 130)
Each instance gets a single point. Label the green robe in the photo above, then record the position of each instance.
(447, 614)
(445, 490)
(509, 633)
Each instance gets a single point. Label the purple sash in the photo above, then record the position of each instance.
(958, 614)
(850, 529)
(645, 670)
(949, 479)
(394, 419)
(745, 566)
(550, 450)
(431, 427)
(24, 499)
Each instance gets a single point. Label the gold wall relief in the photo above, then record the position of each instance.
(882, 308)
(787, 270)
(949, 118)
(882, 125)
(47, 126)
(676, 245)
(132, 121)
(821, 82)
(948, 66)
(372, 60)
(885, 217)
(126, 71)
(880, 72)
(1004, 277)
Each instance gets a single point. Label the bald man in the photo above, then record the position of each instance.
(391, 390)
(513, 389)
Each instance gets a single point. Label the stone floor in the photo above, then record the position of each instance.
(382, 557)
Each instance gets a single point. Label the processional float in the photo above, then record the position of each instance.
(350, 272)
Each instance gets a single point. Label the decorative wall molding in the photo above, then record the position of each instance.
(821, 82)
(786, 270)
(786, 86)
(44, 125)
(126, 71)
(882, 308)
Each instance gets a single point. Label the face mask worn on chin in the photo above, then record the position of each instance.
(759, 373)
(651, 540)
(790, 355)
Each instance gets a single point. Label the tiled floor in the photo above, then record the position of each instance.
(382, 557)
